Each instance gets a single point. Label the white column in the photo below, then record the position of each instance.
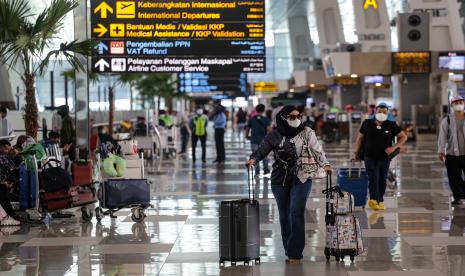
(329, 24)
(372, 26)
(446, 24)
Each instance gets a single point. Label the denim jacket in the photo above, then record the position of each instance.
(447, 140)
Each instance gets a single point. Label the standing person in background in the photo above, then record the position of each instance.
(198, 124)
(219, 123)
(165, 120)
(269, 114)
(6, 128)
(185, 132)
(374, 142)
(259, 126)
(68, 132)
(240, 121)
(275, 112)
(451, 148)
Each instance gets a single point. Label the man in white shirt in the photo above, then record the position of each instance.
(6, 128)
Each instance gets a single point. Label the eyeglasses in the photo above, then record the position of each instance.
(294, 117)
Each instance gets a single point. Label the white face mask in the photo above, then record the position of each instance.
(199, 111)
(381, 117)
(294, 123)
(459, 107)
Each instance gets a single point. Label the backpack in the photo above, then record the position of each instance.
(199, 126)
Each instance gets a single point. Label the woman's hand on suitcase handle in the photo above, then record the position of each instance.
(328, 169)
(250, 163)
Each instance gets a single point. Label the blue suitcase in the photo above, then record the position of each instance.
(120, 193)
(355, 181)
(27, 188)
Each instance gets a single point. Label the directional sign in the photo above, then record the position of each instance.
(103, 9)
(102, 64)
(101, 48)
(175, 34)
(100, 30)
(191, 83)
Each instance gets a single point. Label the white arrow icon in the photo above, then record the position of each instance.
(101, 64)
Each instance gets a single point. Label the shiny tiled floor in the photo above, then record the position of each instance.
(419, 233)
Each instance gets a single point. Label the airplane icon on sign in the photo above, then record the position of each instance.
(126, 9)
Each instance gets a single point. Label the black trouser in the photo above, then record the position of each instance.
(219, 141)
(203, 142)
(377, 171)
(455, 166)
(184, 139)
(5, 200)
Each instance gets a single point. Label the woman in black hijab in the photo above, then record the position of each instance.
(298, 158)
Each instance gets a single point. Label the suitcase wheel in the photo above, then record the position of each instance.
(257, 261)
(233, 263)
(337, 258)
(221, 263)
(352, 258)
(138, 215)
(86, 214)
(99, 214)
(246, 263)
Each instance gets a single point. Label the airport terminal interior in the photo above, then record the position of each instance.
(232, 137)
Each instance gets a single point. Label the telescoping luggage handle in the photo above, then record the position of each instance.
(351, 163)
(250, 182)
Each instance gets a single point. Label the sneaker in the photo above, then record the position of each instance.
(381, 206)
(373, 219)
(373, 204)
(9, 230)
(9, 221)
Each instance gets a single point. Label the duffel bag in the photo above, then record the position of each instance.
(54, 179)
(119, 193)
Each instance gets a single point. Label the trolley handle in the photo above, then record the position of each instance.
(351, 163)
(251, 182)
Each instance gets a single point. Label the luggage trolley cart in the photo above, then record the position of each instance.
(82, 192)
(118, 193)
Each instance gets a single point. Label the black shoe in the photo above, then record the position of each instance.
(215, 161)
(456, 202)
(266, 171)
(204, 161)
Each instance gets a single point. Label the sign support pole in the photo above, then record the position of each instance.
(82, 82)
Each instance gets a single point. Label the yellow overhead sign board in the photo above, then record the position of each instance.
(264, 86)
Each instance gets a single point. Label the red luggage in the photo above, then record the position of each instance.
(56, 200)
(82, 173)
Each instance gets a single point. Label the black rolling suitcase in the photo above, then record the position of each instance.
(240, 228)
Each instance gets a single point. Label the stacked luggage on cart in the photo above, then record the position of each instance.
(46, 186)
(122, 181)
(343, 231)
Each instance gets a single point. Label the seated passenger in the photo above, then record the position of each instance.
(141, 127)
(9, 175)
